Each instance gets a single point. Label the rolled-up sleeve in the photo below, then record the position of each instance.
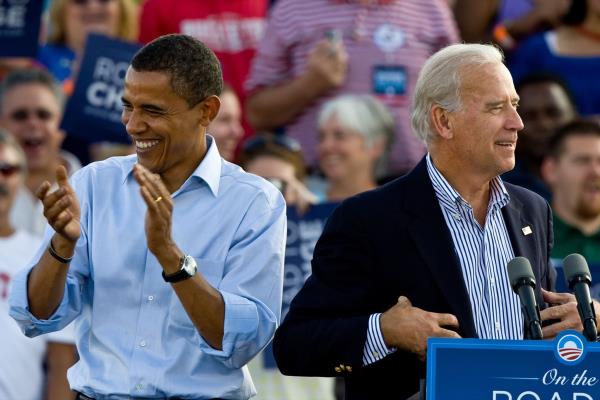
(71, 303)
(253, 282)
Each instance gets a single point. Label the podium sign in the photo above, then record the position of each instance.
(566, 368)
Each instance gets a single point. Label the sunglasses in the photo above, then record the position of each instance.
(23, 114)
(258, 142)
(85, 2)
(7, 170)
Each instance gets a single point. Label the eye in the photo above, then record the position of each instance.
(127, 107)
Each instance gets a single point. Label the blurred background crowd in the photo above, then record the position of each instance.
(317, 100)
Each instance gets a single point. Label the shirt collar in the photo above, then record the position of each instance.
(209, 169)
(499, 196)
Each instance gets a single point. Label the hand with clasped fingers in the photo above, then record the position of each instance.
(563, 311)
(407, 328)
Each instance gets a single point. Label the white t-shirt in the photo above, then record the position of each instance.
(21, 374)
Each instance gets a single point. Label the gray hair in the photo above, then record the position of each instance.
(439, 82)
(362, 113)
(6, 139)
(27, 76)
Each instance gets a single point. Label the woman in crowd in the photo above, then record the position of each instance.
(572, 51)
(70, 23)
(354, 135)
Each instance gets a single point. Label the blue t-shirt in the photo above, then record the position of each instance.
(579, 72)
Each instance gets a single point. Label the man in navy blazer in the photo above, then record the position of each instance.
(425, 255)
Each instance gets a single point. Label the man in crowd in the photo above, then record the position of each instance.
(545, 105)
(22, 359)
(170, 260)
(426, 255)
(572, 169)
(31, 106)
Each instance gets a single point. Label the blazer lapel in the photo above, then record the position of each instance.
(520, 231)
(434, 242)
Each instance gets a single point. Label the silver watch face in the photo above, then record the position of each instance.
(189, 265)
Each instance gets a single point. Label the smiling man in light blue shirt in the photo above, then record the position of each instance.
(171, 265)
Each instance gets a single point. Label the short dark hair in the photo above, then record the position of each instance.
(194, 70)
(576, 13)
(580, 126)
(27, 76)
(546, 77)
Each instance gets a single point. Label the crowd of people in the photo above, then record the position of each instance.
(328, 101)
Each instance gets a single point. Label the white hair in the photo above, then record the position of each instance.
(439, 82)
(361, 113)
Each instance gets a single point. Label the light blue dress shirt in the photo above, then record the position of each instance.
(135, 339)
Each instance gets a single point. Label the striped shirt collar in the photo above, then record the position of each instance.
(450, 198)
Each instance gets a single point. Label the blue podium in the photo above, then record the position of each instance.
(565, 368)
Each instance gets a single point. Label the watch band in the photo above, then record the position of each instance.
(178, 276)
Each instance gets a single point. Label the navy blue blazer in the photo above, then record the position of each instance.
(377, 246)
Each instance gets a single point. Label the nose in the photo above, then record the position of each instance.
(514, 121)
(132, 121)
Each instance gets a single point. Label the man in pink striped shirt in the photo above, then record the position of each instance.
(316, 49)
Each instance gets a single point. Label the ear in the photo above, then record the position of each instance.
(548, 170)
(441, 122)
(209, 108)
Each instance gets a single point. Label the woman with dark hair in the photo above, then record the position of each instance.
(571, 51)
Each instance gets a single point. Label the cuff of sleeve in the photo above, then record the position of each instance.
(375, 347)
(241, 325)
(19, 309)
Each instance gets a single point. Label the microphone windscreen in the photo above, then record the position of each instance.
(519, 268)
(575, 265)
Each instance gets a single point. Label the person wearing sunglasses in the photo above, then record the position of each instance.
(31, 105)
(22, 359)
(170, 261)
(278, 159)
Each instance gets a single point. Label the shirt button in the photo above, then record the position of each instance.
(492, 280)
(150, 298)
(456, 217)
(375, 354)
(143, 343)
(498, 326)
(138, 386)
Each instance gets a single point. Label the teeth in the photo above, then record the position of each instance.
(145, 144)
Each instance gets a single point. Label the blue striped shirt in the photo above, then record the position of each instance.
(483, 253)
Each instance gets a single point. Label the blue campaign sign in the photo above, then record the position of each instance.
(303, 231)
(93, 112)
(475, 369)
(20, 27)
(561, 284)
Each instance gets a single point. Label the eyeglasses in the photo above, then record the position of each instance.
(8, 170)
(23, 114)
(84, 2)
(258, 142)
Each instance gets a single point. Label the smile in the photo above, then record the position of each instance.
(145, 144)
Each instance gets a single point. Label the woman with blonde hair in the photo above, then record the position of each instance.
(70, 23)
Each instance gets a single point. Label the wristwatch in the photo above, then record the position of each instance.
(187, 269)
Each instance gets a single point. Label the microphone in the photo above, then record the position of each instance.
(577, 274)
(522, 281)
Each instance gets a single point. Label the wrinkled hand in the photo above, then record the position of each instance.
(159, 215)
(563, 307)
(327, 64)
(61, 207)
(407, 328)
